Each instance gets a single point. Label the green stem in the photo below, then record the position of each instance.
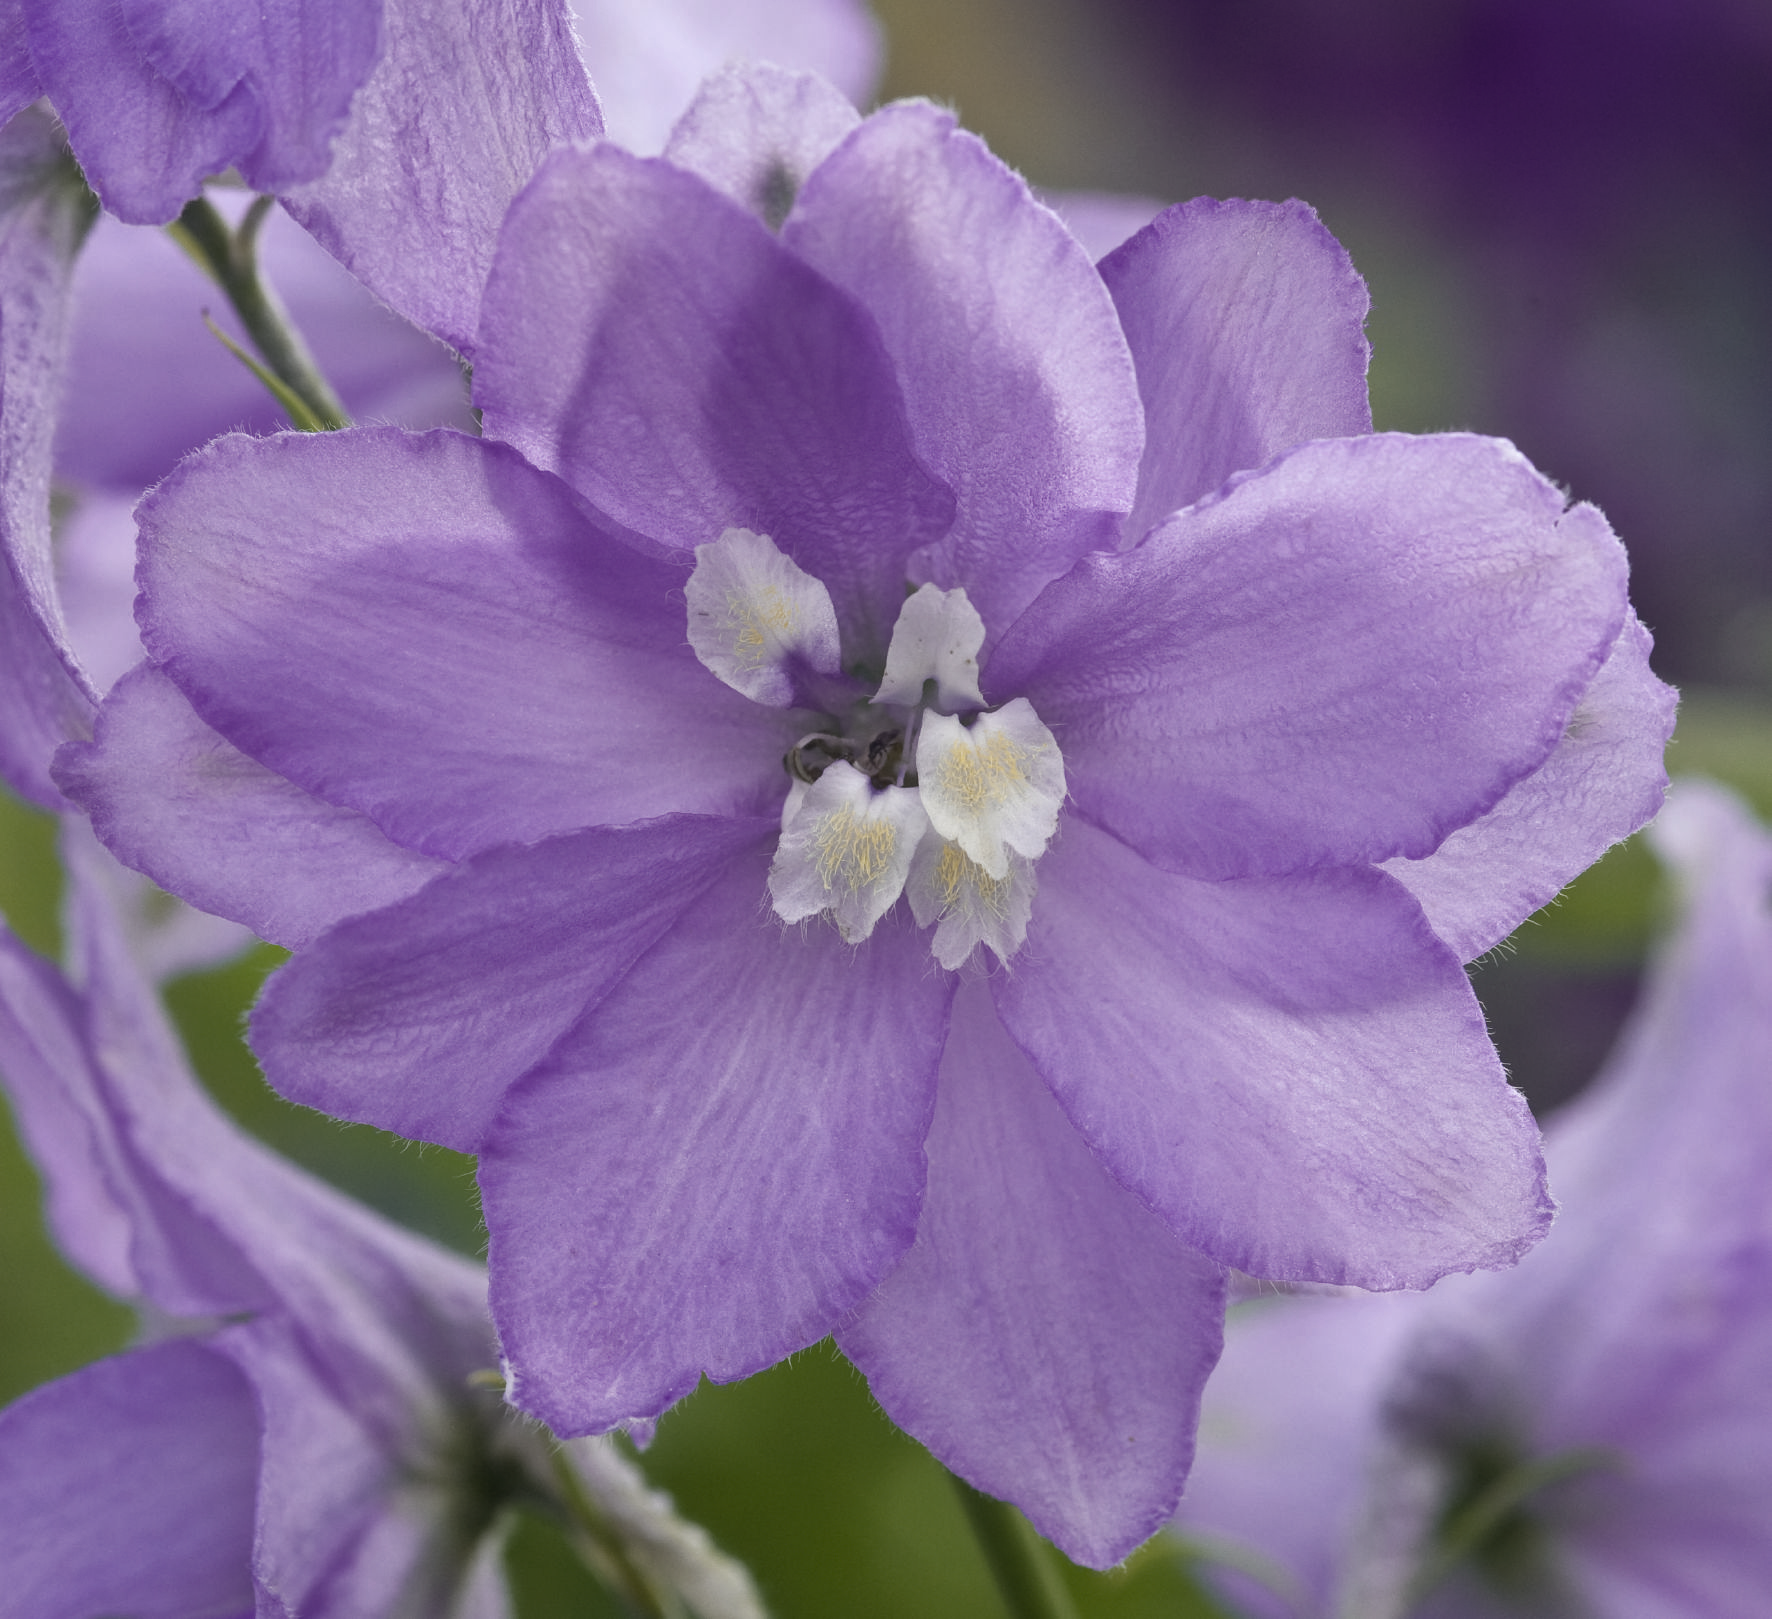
(231, 259)
(603, 1551)
(1030, 1585)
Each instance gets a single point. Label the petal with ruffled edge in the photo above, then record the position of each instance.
(419, 1017)
(158, 96)
(432, 632)
(1342, 658)
(1046, 1336)
(648, 339)
(464, 104)
(1291, 1071)
(1604, 780)
(128, 1487)
(1020, 389)
(670, 1193)
(845, 851)
(172, 799)
(44, 213)
(1246, 322)
(756, 131)
(1102, 220)
(756, 621)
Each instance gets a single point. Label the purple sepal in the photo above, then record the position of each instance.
(159, 94)
(44, 213)
(1291, 1071)
(669, 1195)
(464, 104)
(1046, 1336)
(1340, 658)
(419, 1017)
(129, 1487)
(1637, 1334)
(1246, 322)
(1018, 383)
(172, 799)
(362, 1336)
(353, 1517)
(691, 375)
(437, 635)
(1603, 781)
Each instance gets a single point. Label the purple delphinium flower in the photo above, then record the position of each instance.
(1190, 653)
(1621, 1367)
(301, 1431)
(1595, 170)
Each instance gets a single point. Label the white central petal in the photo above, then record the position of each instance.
(754, 614)
(937, 637)
(847, 850)
(973, 907)
(994, 786)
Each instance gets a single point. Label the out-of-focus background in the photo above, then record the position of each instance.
(1564, 211)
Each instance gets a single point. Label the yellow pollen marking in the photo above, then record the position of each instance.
(956, 871)
(757, 616)
(979, 778)
(853, 849)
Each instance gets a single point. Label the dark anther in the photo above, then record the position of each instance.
(883, 756)
(811, 756)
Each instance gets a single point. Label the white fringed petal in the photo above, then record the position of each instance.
(973, 907)
(847, 850)
(993, 786)
(937, 637)
(754, 614)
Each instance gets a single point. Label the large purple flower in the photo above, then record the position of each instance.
(1606, 1402)
(301, 1426)
(1190, 652)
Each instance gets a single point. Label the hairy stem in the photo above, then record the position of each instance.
(231, 259)
(603, 1551)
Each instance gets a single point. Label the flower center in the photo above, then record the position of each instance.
(921, 791)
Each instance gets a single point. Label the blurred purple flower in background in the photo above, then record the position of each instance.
(1588, 1433)
(302, 1423)
(1225, 1037)
(1597, 171)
